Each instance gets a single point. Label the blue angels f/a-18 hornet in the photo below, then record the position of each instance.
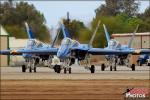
(118, 54)
(70, 50)
(34, 51)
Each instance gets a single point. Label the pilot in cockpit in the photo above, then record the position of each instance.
(75, 43)
(31, 44)
(66, 41)
(112, 43)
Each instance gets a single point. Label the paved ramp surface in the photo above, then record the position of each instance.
(80, 85)
(142, 72)
(68, 89)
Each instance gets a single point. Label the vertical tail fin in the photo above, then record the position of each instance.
(94, 34)
(106, 33)
(64, 30)
(133, 35)
(55, 39)
(29, 31)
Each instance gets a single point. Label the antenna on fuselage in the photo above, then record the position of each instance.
(94, 34)
(133, 35)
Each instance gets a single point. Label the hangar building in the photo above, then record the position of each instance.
(140, 41)
(7, 42)
(16, 44)
(4, 44)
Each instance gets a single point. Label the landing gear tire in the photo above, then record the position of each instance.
(102, 67)
(110, 68)
(139, 63)
(92, 69)
(133, 67)
(35, 69)
(115, 68)
(69, 70)
(30, 70)
(65, 70)
(57, 68)
(23, 68)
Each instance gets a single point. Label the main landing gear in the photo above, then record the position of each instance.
(103, 66)
(67, 65)
(31, 64)
(67, 69)
(92, 69)
(24, 68)
(57, 68)
(133, 67)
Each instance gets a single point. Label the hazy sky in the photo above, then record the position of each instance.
(82, 10)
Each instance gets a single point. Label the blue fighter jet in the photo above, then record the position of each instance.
(70, 50)
(116, 53)
(34, 51)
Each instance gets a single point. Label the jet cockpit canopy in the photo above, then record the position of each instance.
(66, 41)
(114, 44)
(32, 43)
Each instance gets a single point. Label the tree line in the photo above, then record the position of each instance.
(119, 16)
(13, 18)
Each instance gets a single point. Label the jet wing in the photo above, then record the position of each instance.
(101, 51)
(79, 49)
(9, 52)
(5, 52)
(48, 51)
(142, 51)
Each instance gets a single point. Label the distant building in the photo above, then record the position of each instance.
(140, 41)
(17, 44)
(4, 44)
